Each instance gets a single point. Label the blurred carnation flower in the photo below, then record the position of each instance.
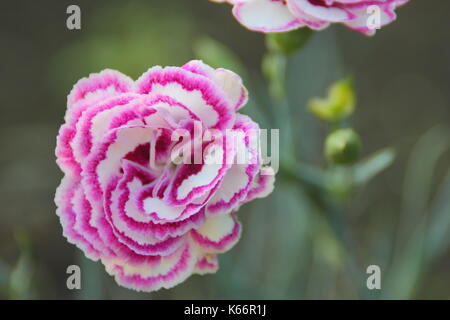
(123, 200)
(285, 15)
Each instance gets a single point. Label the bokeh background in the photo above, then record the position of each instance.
(399, 220)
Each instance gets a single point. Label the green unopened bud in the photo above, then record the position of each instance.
(342, 146)
(288, 42)
(339, 104)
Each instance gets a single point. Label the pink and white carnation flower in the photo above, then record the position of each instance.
(150, 220)
(285, 15)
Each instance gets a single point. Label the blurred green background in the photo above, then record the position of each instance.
(399, 221)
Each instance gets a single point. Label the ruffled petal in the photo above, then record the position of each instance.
(198, 94)
(359, 10)
(239, 178)
(262, 186)
(217, 234)
(317, 10)
(192, 181)
(98, 86)
(67, 205)
(166, 273)
(207, 263)
(265, 16)
(228, 81)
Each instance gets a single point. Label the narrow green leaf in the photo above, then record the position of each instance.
(372, 166)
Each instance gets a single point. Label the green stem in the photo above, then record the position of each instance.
(313, 181)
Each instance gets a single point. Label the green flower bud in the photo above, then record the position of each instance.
(288, 42)
(339, 104)
(342, 146)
